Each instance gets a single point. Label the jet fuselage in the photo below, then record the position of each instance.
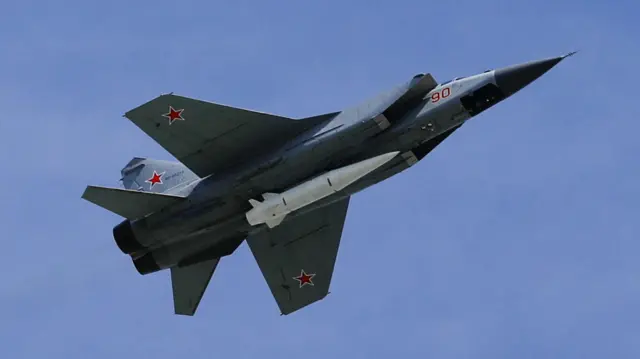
(212, 221)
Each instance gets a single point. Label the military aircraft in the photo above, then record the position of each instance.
(281, 184)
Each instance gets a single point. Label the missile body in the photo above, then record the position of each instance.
(277, 205)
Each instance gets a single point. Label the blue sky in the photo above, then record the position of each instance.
(517, 237)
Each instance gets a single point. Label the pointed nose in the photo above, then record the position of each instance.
(513, 78)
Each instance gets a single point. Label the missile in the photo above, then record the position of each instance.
(277, 205)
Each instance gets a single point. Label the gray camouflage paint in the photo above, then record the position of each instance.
(211, 224)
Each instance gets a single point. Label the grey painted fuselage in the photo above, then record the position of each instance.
(215, 211)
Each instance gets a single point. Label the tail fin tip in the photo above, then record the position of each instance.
(155, 176)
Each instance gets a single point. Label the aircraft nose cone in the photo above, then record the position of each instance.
(513, 78)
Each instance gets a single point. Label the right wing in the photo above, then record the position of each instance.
(297, 258)
(208, 137)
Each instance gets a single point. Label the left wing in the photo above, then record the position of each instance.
(297, 258)
(208, 137)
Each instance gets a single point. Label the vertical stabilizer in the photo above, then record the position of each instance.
(157, 176)
(189, 284)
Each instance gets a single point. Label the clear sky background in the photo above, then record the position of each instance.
(516, 238)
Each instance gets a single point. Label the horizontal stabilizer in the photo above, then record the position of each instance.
(128, 203)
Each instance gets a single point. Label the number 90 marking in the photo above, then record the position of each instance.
(444, 93)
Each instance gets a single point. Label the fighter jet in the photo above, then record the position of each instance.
(281, 184)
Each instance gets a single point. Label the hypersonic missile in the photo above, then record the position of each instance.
(277, 205)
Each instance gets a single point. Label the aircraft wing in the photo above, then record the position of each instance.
(297, 258)
(208, 137)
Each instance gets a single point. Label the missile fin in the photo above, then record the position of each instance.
(254, 203)
(268, 195)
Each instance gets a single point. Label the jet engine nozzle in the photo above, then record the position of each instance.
(125, 238)
(146, 264)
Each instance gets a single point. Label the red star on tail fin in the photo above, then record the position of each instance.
(155, 179)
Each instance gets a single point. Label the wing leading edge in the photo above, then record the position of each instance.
(297, 258)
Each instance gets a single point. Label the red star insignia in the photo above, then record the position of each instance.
(174, 115)
(304, 278)
(155, 179)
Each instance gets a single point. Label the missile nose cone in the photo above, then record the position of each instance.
(513, 78)
(375, 162)
(380, 160)
(388, 156)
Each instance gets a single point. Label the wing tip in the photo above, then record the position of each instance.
(131, 112)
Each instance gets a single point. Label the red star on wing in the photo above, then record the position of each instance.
(304, 278)
(174, 115)
(155, 179)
